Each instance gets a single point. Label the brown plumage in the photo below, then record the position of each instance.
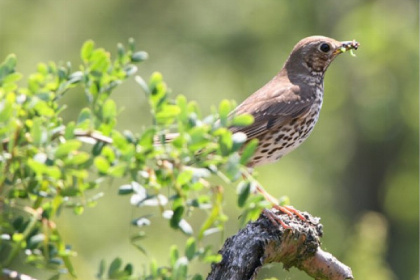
(286, 109)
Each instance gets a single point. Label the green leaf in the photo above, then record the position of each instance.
(139, 56)
(114, 267)
(100, 60)
(101, 269)
(167, 113)
(184, 177)
(181, 101)
(55, 277)
(155, 79)
(109, 110)
(36, 166)
(225, 142)
(141, 222)
(117, 170)
(243, 190)
(7, 107)
(101, 164)
(78, 209)
(65, 148)
(242, 120)
(120, 51)
(130, 70)
(213, 258)
(173, 255)
(84, 117)
(37, 131)
(190, 248)
(128, 269)
(53, 171)
(86, 51)
(224, 110)
(248, 151)
(197, 277)
(75, 77)
(43, 109)
(181, 268)
(12, 78)
(77, 159)
(125, 189)
(7, 67)
(176, 217)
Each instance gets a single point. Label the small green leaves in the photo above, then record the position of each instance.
(87, 50)
(243, 190)
(101, 164)
(167, 114)
(224, 109)
(242, 120)
(7, 68)
(51, 165)
(248, 151)
(176, 217)
(109, 111)
(190, 248)
(115, 270)
(67, 147)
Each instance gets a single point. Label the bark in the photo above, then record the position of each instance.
(265, 241)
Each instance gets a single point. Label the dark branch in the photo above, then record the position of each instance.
(265, 241)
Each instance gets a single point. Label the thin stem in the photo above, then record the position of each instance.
(16, 248)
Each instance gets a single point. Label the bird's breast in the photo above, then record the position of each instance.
(279, 141)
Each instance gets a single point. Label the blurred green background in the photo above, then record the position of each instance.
(358, 170)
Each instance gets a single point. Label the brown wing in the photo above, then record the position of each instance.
(273, 105)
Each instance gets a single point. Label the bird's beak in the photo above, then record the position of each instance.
(347, 46)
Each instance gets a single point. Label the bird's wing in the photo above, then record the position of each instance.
(272, 107)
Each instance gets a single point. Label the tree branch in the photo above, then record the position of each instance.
(88, 136)
(265, 241)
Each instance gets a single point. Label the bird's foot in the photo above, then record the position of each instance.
(274, 219)
(289, 210)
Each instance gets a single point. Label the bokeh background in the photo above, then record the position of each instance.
(358, 170)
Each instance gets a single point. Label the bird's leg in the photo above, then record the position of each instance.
(289, 210)
(274, 219)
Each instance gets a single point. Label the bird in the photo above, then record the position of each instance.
(286, 109)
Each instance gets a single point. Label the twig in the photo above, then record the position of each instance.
(93, 135)
(14, 275)
(89, 136)
(265, 241)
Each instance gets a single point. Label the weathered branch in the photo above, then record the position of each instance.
(265, 241)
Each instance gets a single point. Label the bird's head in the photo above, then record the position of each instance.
(315, 54)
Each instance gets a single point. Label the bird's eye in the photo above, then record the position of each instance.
(324, 47)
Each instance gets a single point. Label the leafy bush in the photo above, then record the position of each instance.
(48, 166)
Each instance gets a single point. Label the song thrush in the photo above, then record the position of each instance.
(286, 109)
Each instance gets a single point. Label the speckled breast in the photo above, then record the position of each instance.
(278, 142)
